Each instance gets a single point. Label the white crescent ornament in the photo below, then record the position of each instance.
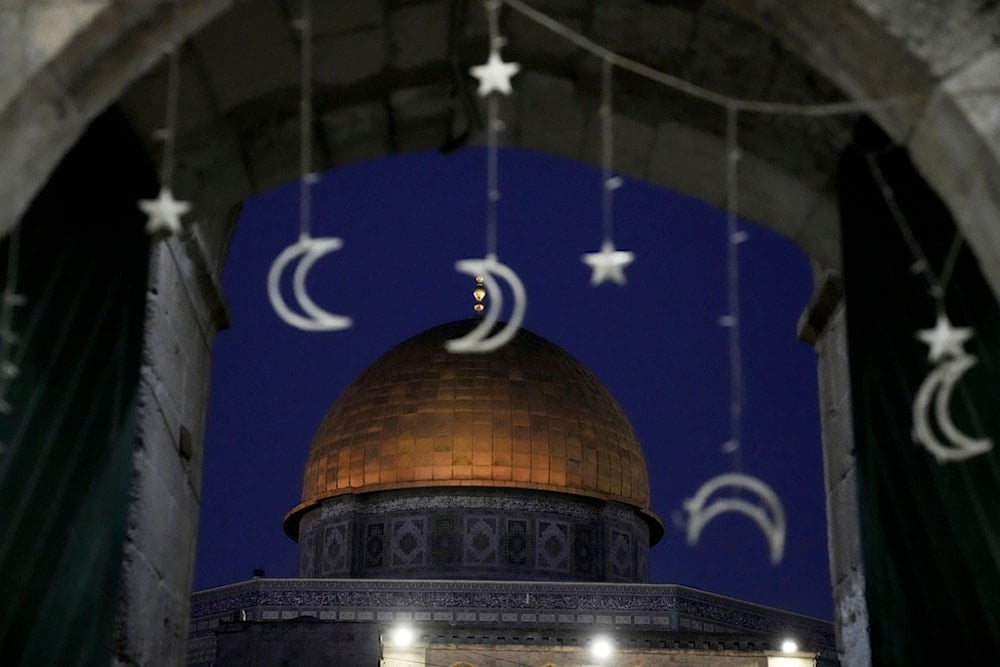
(770, 516)
(315, 318)
(479, 339)
(946, 348)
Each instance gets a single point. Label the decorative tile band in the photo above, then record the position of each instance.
(654, 608)
(482, 535)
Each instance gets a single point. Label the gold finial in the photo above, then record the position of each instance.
(479, 293)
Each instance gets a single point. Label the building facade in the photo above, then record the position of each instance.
(494, 509)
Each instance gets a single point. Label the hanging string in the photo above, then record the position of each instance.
(173, 93)
(306, 177)
(607, 152)
(493, 23)
(8, 369)
(937, 285)
(493, 127)
(9, 299)
(699, 92)
(307, 315)
(734, 237)
(764, 507)
(492, 174)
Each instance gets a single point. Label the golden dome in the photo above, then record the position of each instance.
(527, 416)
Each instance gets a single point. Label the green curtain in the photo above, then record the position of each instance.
(930, 532)
(65, 467)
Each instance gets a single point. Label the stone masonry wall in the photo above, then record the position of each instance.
(185, 310)
(824, 325)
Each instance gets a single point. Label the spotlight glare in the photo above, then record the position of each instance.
(601, 647)
(789, 646)
(401, 635)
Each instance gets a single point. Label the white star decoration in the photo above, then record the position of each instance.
(164, 213)
(944, 339)
(494, 75)
(608, 263)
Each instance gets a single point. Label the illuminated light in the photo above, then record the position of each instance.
(789, 646)
(601, 647)
(401, 635)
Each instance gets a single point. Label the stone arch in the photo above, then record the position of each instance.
(64, 63)
(84, 55)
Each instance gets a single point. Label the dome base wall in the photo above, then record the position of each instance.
(449, 533)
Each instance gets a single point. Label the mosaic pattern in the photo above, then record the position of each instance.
(481, 542)
(526, 416)
(336, 549)
(584, 555)
(374, 545)
(517, 544)
(657, 611)
(445, 541)
(553, 537)
(552, 552)
(409, 542)
(307, 554)
(621, 556)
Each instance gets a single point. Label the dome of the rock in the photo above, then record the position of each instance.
(525, 421)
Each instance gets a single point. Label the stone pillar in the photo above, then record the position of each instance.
(184, 311)
(824, 326)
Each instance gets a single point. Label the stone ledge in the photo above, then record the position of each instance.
(821, 307)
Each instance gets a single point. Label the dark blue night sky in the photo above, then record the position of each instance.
(656, 344)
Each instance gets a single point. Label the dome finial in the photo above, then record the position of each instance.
(479, 294)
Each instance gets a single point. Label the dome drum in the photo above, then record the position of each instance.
(474, 534)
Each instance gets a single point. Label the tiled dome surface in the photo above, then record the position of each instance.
(525, 416)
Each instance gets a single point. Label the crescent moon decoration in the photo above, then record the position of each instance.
(946, 348)
(314, 318)
(479, 339)
(770, 516)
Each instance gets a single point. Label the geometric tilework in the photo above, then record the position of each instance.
(583, 551)
(480, 542)
(489, 534)
(517, 544)
(657, 612)
(374, 545)
(552, 545)
(444, 539)
(409, 542)
(620, 556)
(307, 554)
(336, 547)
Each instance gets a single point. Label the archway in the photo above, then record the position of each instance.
(85, 55)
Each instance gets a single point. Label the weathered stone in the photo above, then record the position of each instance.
(964, 172)
(419, 34)
(851, 618)
(348, 58)
(356, 133)
(421, 118)
(549, 119)
(346, 16)
(643, 31)
(225, 52)
(632, 144)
